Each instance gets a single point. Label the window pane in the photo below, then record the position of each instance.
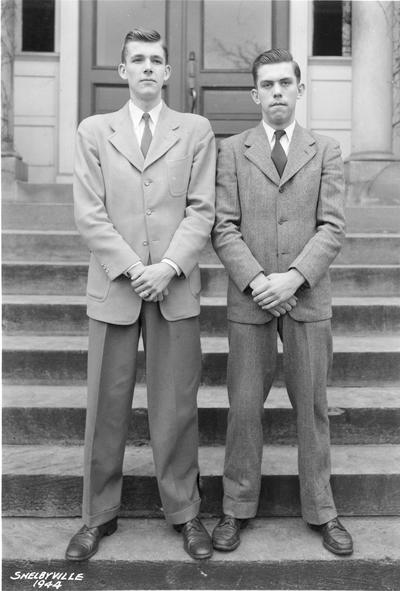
(124, 15)
(332, 23)
(235, 32)
(38, 25)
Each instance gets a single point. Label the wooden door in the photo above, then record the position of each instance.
(211, 43)
(223, 39)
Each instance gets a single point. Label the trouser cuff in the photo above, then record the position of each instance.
(240, 510)
(100, 518)
(184, 515)
(320, 517)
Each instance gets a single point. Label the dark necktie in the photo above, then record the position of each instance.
(146, 137)
(278, 153)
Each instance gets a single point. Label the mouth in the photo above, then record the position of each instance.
(278, 105)
(148, 80)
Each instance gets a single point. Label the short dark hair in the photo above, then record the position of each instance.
(274, 56)
(147, 35)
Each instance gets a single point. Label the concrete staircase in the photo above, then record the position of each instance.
(44, 363)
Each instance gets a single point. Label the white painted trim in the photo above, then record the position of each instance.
(68, 86)
(299, 30)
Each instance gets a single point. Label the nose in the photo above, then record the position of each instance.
(148, 66)
(277, 91)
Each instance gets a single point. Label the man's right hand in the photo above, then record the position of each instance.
(136, 272)
(260, 283)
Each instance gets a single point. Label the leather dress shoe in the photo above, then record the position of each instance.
(226, 534)
(85, 542)
(196, 539)
(335, 537)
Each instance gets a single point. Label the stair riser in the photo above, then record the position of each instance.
(67, 367)
(35, 215)
(71, 280)
(383, 249)
(60, 496)
(41, 319)
(369, 575)
(36, 426)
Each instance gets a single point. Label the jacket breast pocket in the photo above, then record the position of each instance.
(178, 176)
(98, 284)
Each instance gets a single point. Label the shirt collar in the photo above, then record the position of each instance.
(270, 131)
(137, 113)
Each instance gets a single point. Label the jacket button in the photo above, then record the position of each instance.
(149, 212)
(145, 243)
(146, 183)
(280, 189)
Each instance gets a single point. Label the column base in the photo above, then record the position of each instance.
(372, 180)
(13, 169)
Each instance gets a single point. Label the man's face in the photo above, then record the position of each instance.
(145, 70)
(277, 92)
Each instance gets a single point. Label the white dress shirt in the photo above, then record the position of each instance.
(138, 128)
(285, 139)
(138, 123)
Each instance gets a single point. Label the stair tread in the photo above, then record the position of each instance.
(341, 343)
(41, 396)
(212, 265)
(153, 540)
(44, 299)
(61, 460)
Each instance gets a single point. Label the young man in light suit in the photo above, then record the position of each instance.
(144, 203)
(279, 225)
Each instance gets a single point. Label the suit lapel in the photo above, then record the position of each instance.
(165, 136)
(301, 150)
(259, 152)
(124, 139)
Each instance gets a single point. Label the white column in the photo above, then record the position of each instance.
(300, 31)
(68, 86)
(372, 41)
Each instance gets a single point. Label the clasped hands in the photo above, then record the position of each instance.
(150, 281)
(275, 292)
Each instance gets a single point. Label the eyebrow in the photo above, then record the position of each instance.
(136, 55)
(286, 79)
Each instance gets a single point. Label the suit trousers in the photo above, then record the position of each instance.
(307, 353)
(173, 366)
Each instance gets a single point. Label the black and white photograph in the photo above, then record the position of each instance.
(200, 206)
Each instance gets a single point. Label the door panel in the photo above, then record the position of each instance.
(212, 44)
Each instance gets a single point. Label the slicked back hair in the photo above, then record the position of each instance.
(147, 35)
(275, 56)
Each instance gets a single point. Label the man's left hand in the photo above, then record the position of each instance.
(280, 288)
(152, 283)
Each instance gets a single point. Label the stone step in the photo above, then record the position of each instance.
(34, 414)
(44, 192)
(36, 245)
(46, 481)
(60, 278)
(275, 553)
(48, 214)
(372, 219)
(358, 361)
(44, 314)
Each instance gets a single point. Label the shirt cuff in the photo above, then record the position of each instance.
(126, 272)
(173, 265)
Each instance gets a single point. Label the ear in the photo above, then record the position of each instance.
(122, 71)
(254, 96)
(300, 90)
(167, 72)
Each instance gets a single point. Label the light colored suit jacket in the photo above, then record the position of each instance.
(128, 208)
(271, 224)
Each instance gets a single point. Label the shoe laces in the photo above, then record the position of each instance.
(228, 521)
(193, 525)
(335, 524)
